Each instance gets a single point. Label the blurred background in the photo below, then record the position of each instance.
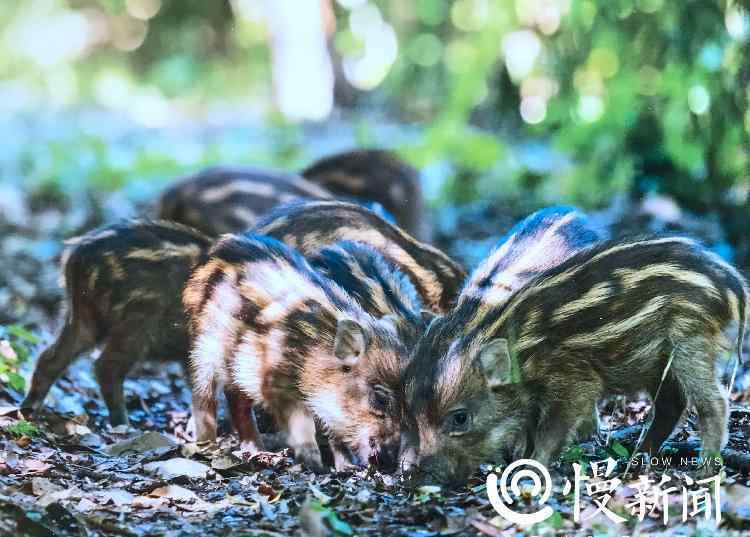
(636, 110)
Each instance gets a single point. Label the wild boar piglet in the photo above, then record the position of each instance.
(375, 175)
(539, 242)
(230, 199)
(490, 385)
(268, 329)
(123, 285)
(311, 226)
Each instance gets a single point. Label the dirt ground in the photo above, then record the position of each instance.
(70, 474)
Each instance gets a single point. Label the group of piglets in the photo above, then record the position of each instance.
(308, 295)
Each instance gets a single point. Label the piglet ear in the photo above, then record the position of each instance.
(350, 341)
(497, 363)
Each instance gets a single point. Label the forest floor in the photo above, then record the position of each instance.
(68, 473)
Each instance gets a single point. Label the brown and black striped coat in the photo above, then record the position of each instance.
(518, 380)
(311, 226)
(230, 199)
(123, 285)
(369, 175)
(267, 328)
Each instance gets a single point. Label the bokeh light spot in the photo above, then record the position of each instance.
(605, 61)
(736, 21)
(143, 9)
(460, 56)
(425, 50)
(699, 99)
(469, 15)
(521, 50)
(128, 33)
(351, 4)
(533, 109)
(590, 108)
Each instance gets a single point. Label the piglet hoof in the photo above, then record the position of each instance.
(309, 456)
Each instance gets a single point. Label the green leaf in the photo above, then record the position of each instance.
(21, 333)
(22, 428)
(22, 352)
(338, 525)
(620, 450)
(556, 520)
(16, 381)
(573, 454)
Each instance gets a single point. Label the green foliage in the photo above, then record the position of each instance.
(618, 450)
(22, 428)
(636, 95)
(16, 344)
(338, 526)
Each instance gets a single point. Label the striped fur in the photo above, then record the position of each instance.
(226, 199)
(537, 243)
(265, 328)
(378, 285)
(368, 175)
(123, 285)
(606, 321)
(311, 226)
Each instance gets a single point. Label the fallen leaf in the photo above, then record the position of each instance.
(177, 467)
(140, 444)
(34, 466)
(10, 459)
(145, 502)
(56, 496)
(266, 490)
(225, 462)
(42, 485)
(86, 505)
(265, 507)
(487, 529)
(23, 442)
(76, 429)
(174, 492)
(6, 410)
(117, 497)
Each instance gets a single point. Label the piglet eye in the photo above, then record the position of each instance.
(379, 399)
(459, 421)
(346, 368)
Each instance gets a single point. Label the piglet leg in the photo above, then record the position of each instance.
(300, 426)
(243, 419)
(111, 369)
(563, 418)
(71, 342)
(204, 414)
